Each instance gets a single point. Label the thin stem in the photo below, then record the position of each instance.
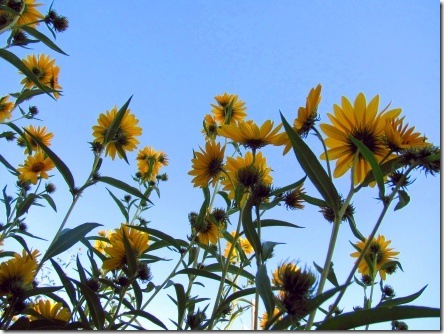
(325, 150)
(258, 264)
(369, 301)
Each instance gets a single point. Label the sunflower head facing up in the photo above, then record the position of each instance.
(207, 164)
(44, 69)
(36, 166)
(5, 108)
(363, 122)
(229, 109)
(39, 132)
(125, 137)
(50, 310)
(150, 161)
(250, 134)
(377, 254)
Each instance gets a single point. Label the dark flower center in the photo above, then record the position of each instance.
(215, 166)
(37, 167)
(367, 137)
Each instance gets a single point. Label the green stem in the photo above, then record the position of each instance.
(325, 150)
(14, 21)
(369, 301)
(258, 264)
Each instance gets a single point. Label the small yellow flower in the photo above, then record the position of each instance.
(207, 164)
(364, 123)
(250, 134)
(115, 250)
(244, 244)
(5, 108)
(44, 69)
(149, 162)
(51, 310)
(125, 137)
(378, 253)
(264, 319)
(40, 133)
(35, 166)
(228, 109)
(210, 127)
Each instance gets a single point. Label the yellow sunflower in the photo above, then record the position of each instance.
(244, 244)
(207, 164)
(250, 134)
(30, 15)
(279, 272)
(246, 171)
(364, 123)
(377, 253)
(18, 273)
(228, 109)
(209, 233)
(399, 136)
(5, 108)
(40, 133)
(149, 162)
(44, 69)
(35, 166)
(264, 319)
(125, 137)
(115, 250)
(50, 310)
(210, 127)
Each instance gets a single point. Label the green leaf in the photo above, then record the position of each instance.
(268, 248)
(94, 305)
(40, 291)
(69, 288)
(114, 126)
(216, 267)
(26, 204)
(124, 186)
(292, 186)
(386, 168)
(368, 155)
(401, 300)
(10, 168)
(354, 229)
(331, 273)
(170, 240)
(379, 314)
(21, 242)
(204, 273)
(50, 201)
(275, 222)
(45, 40)
(404, 199)
(120, 205)
(137, 294)
(15, 61)
(80, 270)
(131, 260)
(249, 228)
(181, 302)
(28, 94)
(7, 203)
(311, 166)
(67, 239)
(60, 165)
(147, 316)
(263, 287)
(319, 300)
(20, 132)
(233, 297)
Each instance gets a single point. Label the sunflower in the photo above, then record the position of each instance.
(210, 127)
(364, 123)
(18, 273)
(44, 69)
(50, 310)
(228, 109)
(244, 244)
(125, 137)
(115, 250)
(5, 108)
(30, 15)
(377, 253)
(35, 166)
(399, 137)
(250, 134)
(264, 319)
(40, 133)
(207, 164)
(149, 162)
(247, 171)
(208, 233)
(279, 272)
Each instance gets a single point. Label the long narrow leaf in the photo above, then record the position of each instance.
(45, 40)
(120, 205)
(206, 274)
(124, 186)
(276, 222)
(10, 168)
(94, 305)
(311, 166)
(263, 287)
(167, 238)
(114, 126)
(249, 228)
(181, 302)
(147, 316)
(401, 300)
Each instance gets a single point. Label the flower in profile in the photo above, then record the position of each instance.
(279, 273)
(207, 164)
(265, 320)
(125, 136)
(149, 162)
(377, 253)
(293, 199)
(228, 109)
(250, 134)
(44, 69)
(115, 250)
(38, 132)
(399, 137)
(210, 127)
(364, 123)
(35, 166)
(5, 108)
(50, 310)
(18, 273)
(243, 243)
(246, 171)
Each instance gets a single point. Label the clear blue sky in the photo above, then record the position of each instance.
(174, 57)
